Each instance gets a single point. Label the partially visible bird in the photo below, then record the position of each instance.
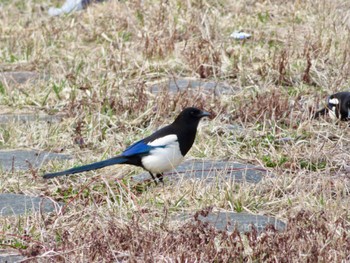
(337, 106)
(160, 152)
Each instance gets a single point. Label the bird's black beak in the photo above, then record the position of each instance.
(204, 114)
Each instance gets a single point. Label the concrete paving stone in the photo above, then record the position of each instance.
(25, 118)
(20, 77)
(179, 84)
(226, 220)
(210, 170)
(18, 159)
(243, 221)
(10, 256)
(18, 204)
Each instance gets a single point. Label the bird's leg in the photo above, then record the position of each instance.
(154, 179)
(160, 178)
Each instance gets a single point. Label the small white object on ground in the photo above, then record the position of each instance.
(68, 6)
(240, 35)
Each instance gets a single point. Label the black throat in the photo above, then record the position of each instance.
(186, 135)
(185, 128)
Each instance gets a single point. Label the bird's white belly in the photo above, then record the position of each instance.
(163, 159)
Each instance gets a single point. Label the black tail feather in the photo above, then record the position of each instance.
(89, 167)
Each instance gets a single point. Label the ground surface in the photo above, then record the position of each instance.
(113, 73)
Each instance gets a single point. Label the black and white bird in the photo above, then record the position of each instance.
(337, 106)
(160, 152)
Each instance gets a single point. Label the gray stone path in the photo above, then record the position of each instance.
(243, 221)
(175, 85)
(210, 170)
(8, 118)
(20, 77)
(7, 256)
(18, 204)
(226, 220)
(18, 159)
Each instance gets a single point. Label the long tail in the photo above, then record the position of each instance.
(89, 167)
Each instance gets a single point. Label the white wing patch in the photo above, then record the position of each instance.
(162, 159)
(164, 140)
(334, 101)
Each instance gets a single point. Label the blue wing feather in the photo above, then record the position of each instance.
(137, 148)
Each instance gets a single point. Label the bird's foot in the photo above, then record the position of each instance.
(160, 178)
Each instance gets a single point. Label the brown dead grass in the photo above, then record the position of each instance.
(309, 237)
(102, 62)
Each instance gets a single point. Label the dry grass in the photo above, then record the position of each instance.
(102, 62)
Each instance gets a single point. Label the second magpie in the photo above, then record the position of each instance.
(337, 106)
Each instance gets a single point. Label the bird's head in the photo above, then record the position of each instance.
(191, 115)
(333, 101)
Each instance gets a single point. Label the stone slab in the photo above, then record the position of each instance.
(20, 77)
(226, 220)
(8, 118)
(176, 85)
(211, 170)
(18, 204)
(17, 159)
(10, 257)
(243, 221)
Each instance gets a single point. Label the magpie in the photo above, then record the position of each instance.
(160, 152)
(337, 106)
